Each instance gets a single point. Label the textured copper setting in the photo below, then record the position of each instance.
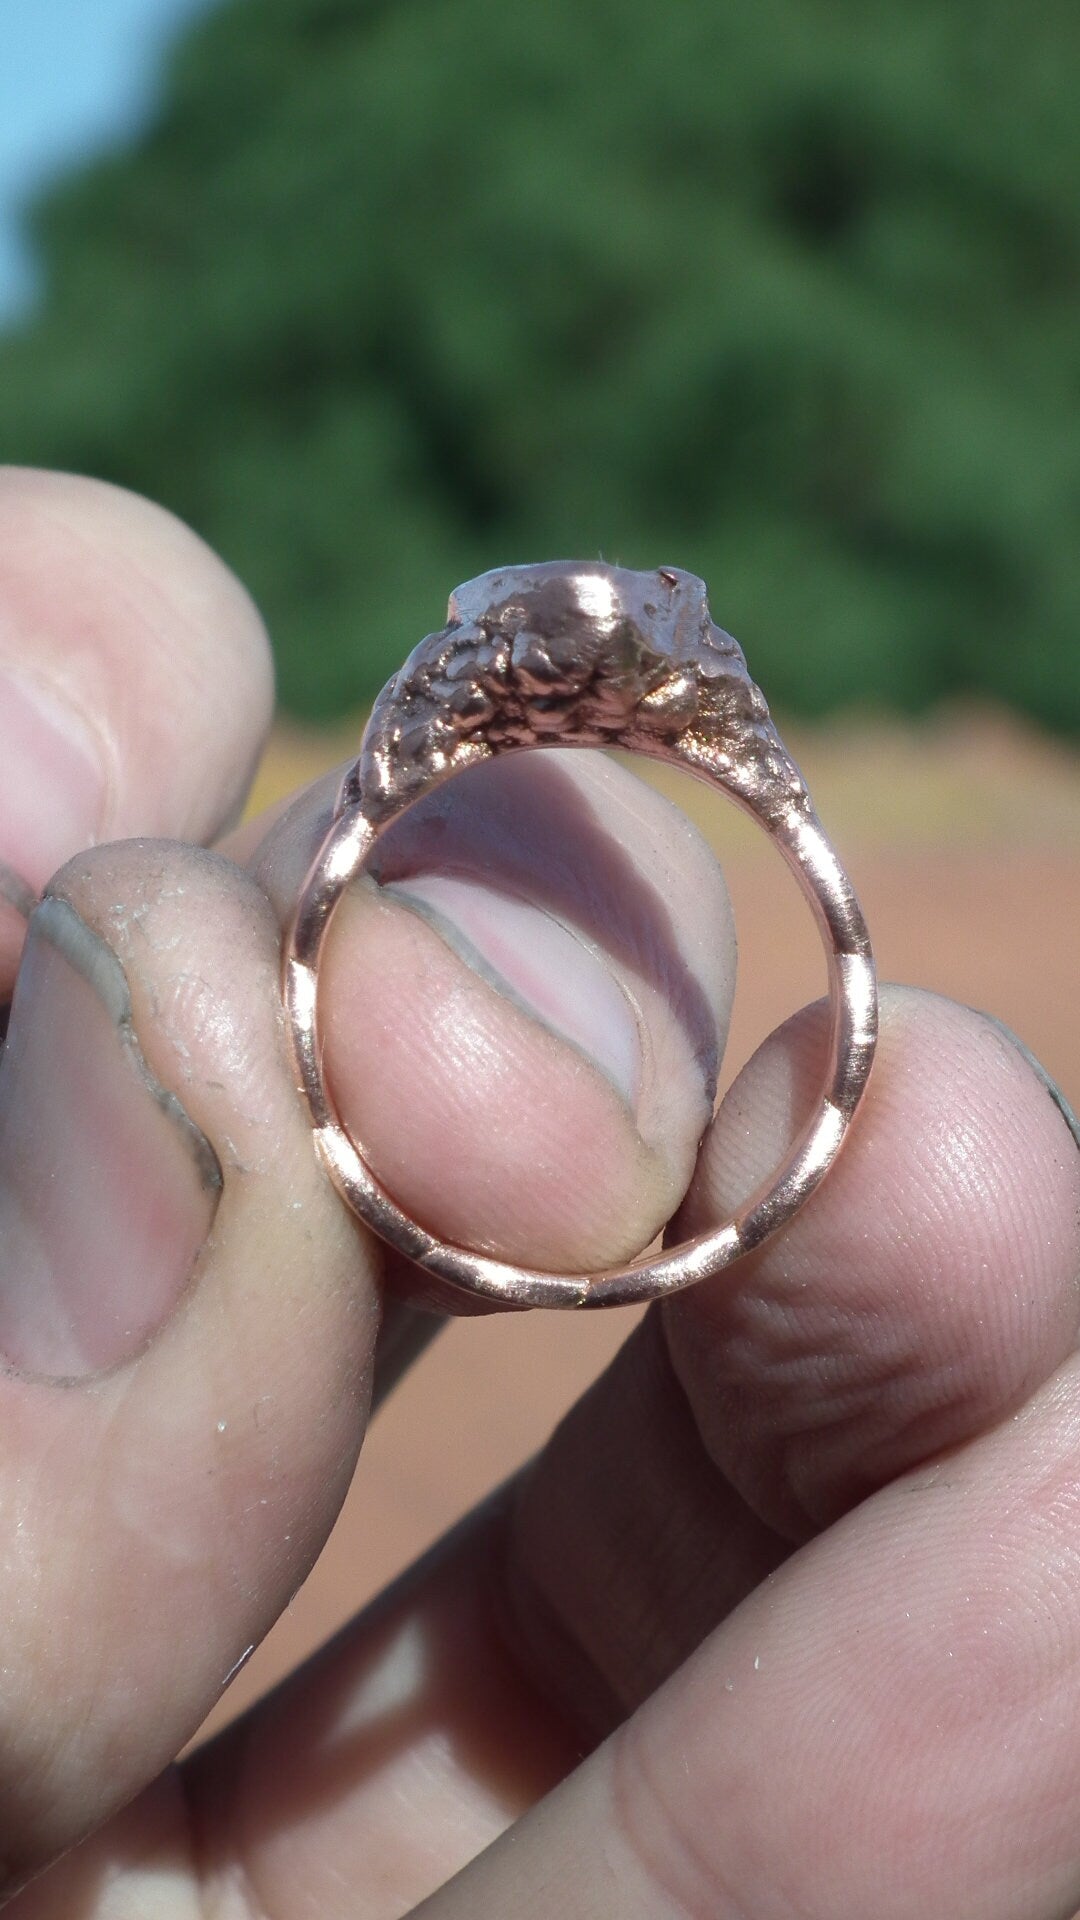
(582, 655)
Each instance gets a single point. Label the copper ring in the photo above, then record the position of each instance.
(581, 655)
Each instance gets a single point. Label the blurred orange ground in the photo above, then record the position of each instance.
(962, 836)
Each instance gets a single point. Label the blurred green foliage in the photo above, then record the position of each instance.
(783, 293)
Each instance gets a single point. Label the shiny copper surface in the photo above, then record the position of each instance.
(581, 655)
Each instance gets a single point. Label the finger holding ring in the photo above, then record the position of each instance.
(581, 655)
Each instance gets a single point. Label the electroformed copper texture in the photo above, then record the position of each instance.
(581, 655)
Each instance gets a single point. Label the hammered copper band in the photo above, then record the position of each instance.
(582, 655)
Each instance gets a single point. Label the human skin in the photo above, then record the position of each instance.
(785, 1619)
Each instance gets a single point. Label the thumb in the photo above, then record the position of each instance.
(188, 1320)
(188, 1311)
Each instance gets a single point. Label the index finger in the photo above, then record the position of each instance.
(135, 682)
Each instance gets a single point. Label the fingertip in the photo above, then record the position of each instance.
(57, 528)
(926, 1288)
(136, 682)
(524, 1004)
(191, 1317)
(489, 1124)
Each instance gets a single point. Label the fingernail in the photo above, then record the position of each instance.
(1040, 1072)
(107, 1188)
(551, 973)
(52, 788)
